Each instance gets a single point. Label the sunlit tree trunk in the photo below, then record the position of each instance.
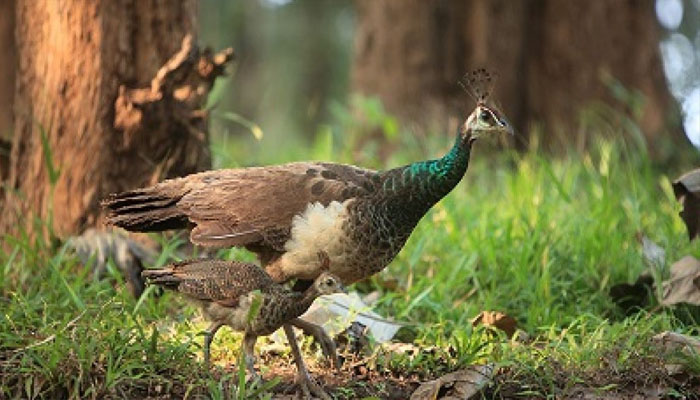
(80, 132)
(7, 81)
(554, 58)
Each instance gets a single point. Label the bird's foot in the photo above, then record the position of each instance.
(309, 386)
(250, 365)
(328, 346)
(253, 378)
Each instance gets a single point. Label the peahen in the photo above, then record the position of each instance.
(288, 213)
(242, 296)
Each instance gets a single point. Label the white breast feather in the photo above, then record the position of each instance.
(318, 228)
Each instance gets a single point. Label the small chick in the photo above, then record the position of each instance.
(242, 296)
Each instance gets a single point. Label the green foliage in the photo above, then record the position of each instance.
(540, 239)
(66, 335)
(254, 129)
(52, 170)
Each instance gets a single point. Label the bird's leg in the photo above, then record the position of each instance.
(306, 383)
(208, 337)
(327, 343)
(248, 349)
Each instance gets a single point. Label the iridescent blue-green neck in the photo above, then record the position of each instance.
(384, 222)
(434, 179)
(416, 187)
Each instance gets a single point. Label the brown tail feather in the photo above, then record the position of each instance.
(163, 277)
(145, 210)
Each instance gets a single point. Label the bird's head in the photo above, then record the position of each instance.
(484, 120)
(327, 283)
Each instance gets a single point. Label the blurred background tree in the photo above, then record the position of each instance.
(555, 58)
(561, 65)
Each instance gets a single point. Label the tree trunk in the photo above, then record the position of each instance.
(96, 109)
(554, 58)
(7, 82)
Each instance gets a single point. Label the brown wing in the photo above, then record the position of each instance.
(219, 281)
(239, 207)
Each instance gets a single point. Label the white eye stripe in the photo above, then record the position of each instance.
(488, 115)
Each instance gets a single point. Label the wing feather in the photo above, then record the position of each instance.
(240, 207)
(219, 281)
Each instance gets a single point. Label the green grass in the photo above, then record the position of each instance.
(539, 239)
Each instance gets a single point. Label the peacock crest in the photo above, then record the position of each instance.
(478, 84)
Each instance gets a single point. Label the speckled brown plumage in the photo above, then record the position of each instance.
(225, 288)
(211, 280)
(242, 296)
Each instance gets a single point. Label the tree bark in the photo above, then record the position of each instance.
(96, 109)
(7, 82)
(554, 58)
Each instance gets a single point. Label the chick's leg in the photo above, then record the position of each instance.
(327, 343)
(248, 348)
(208, 337)
(307, 384)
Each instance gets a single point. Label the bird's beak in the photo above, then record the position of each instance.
(506, 126)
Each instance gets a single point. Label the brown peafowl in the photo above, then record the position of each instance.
(288, 213)
(242, 296)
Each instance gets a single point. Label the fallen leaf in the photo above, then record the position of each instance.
(684, 284)
(670, 342)
(687, 191)
(462, 384)
(497, 320)
(642, 393)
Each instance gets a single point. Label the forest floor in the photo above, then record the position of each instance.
(542, 241)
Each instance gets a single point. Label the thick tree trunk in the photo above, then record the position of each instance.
(553, 57)
(82, 120)
(7, 82)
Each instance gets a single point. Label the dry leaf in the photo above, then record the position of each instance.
(462, 384)
(687, 191)
(497, 320)
(642, 393)
(671, 342)
(684, 284)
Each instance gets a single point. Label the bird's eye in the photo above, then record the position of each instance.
(329, 282)
(485, 116)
